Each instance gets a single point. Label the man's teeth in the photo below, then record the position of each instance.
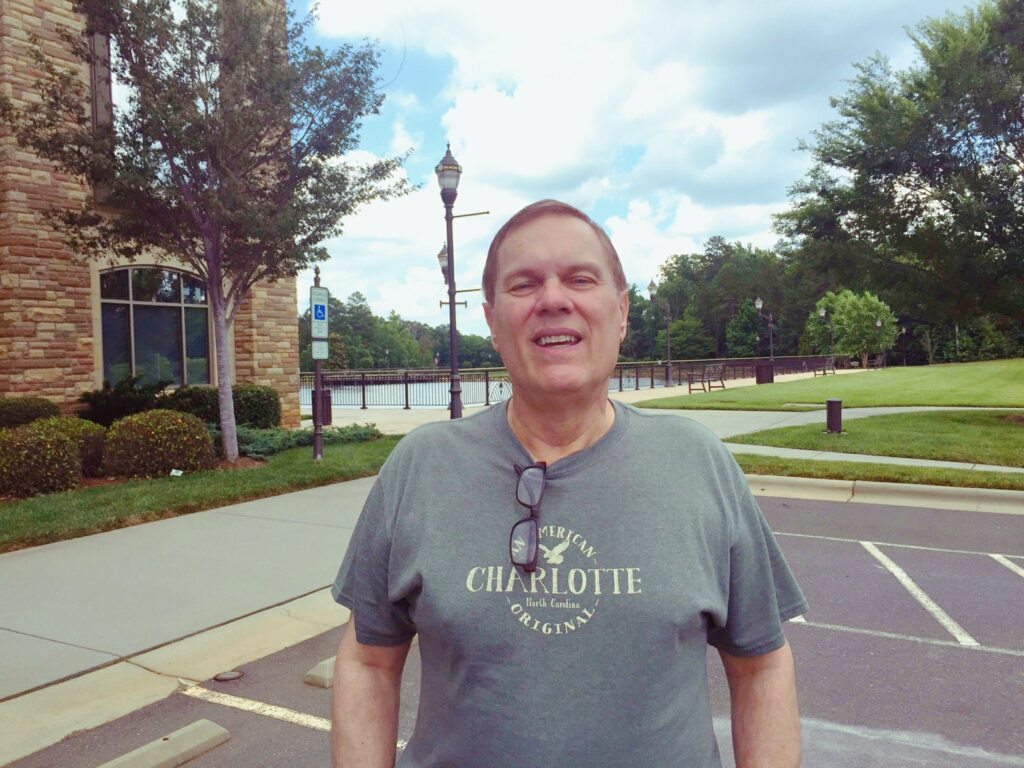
(546, 341)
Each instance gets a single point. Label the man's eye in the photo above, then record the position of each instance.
(581, 280)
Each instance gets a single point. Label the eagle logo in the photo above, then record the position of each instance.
(553, 555)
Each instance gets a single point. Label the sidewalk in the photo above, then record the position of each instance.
(96, 627)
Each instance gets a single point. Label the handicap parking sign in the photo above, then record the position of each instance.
(318, 304)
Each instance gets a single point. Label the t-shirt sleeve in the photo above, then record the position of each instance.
(362, 584)
(762, 591)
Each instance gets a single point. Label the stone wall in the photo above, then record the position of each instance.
(49, 316)
(46, 331)
(267, 343)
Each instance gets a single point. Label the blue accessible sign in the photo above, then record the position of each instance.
(318, 305)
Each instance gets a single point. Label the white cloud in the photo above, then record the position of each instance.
(543, 99)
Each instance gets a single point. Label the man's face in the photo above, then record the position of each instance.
(557, 318)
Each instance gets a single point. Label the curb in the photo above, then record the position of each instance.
(39, 719)
(175, 748)
(987, 500)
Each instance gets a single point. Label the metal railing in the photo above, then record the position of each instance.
(428, 388)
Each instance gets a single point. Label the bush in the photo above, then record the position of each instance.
(256, 406)
(107, 405)
(203, 402)
(15, 411)
(87, 436)
(263, 443)
(37, 461)
(153, 443)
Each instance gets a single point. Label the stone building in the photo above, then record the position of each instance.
(66, 326)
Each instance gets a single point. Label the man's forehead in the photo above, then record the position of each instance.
(549, 235)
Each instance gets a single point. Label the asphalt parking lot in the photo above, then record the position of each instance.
(912, 654)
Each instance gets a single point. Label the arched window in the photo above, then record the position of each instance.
(155, 325)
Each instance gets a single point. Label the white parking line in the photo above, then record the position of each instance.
(1009, 564)
(912, 638)
(885, 544)
(958, 632)
(257, 707)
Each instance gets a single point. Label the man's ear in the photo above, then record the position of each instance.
(489, 317)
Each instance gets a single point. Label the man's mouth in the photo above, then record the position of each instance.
(558, 340)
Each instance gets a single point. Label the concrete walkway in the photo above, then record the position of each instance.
(96, 627)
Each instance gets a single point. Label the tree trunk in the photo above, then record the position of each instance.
(228, 432)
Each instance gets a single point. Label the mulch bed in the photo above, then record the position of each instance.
(242, 462)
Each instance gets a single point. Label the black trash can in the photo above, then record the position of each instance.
(764, 372)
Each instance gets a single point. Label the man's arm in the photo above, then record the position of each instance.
(364, 715)
(765, 721)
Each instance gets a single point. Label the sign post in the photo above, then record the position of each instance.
(318, 298)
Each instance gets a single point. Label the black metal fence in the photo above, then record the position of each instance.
(484, 386)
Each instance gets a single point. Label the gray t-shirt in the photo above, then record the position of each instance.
(653, 547)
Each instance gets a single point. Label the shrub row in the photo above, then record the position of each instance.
(15, 411)
(255, 405)
(52, 454)
(263, 443)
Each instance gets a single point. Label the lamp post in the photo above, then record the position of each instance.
(448, 172)
(771, 330)
(903, 337)
(652, 290)
(831, 343)
(878, 338)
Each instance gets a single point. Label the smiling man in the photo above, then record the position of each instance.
(564, 560)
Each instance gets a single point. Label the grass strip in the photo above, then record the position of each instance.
(978, 437)
(887, 473)
(67, 515)
(991, 384)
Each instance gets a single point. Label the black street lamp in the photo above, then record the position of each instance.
(652, 289)
(828, 321)
(878, 336)
(771, 330)
(448, 172)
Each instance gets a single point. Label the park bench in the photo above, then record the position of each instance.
(878, 361)
(712, 373)
(826, 367)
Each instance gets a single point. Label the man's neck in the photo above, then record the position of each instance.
(552, 432)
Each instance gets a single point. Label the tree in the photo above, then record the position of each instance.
(229, 154)
(856, 323)
(919, 184)
(743, 331)
(689, 341)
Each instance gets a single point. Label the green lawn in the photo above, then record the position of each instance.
(66, 515)
(983, 437)
(886, 473)
(994, 384)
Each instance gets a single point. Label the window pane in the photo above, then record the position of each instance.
(197, 347)
(195, 290)
(155, 285)
(117, 361)
(114, 285)
(158, 344)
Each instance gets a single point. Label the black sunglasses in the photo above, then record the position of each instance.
(522, 543)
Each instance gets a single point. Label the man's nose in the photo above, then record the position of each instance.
(554, 297)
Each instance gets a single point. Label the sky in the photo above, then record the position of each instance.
(667, 121)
